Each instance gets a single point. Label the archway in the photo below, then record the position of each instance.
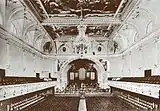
(102, 74)
(82, 72)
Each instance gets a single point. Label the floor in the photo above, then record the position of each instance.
(53, 103)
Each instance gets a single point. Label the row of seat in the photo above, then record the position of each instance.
(24, 100)
(18, 80)
(150, 79)
(108, 104)
(24, 103)
(53, 103)
(138, 102)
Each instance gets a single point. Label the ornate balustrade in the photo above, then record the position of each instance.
(10, 91)
(151, 90)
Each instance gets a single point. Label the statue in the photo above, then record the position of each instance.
(47, 46)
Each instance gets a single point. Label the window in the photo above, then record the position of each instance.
(82, 74)
(64, 49)
(92, 75)
(71, 76)
(99, 49)
(88, 74)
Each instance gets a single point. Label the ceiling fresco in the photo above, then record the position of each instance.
(81, 9)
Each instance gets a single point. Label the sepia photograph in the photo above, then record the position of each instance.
(79, 55)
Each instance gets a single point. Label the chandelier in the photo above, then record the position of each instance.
(81, 42)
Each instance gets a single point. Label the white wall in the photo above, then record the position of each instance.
(115, 67)
(146, 56)
(145, 22)
(3, 57)
(20, 62)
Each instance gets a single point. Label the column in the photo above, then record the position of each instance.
(105, 80)
(8, 57)
(140, 68)
(23, 61)
(59, 80)
(34, 69)
(156, 65)
(130, 63)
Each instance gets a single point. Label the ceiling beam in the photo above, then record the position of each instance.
(118, 9)
(43, 8)
(131, 7)
(41, 4)
(35, 18)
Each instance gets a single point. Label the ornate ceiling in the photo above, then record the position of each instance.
(74, 6)
(101, 17)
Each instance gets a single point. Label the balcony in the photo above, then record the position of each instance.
(146, 89)
(10, 91)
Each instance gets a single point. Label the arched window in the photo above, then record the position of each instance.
(92, 75)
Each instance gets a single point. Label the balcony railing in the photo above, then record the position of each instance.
(10, 91)
(151, 90)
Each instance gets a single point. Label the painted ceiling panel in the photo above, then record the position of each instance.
(81, 9)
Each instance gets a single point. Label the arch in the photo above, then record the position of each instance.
(149, 27)
(46, 39)
(30, 35)
(148, 18)
(137, 33)
(13, 29)
(39, 33)
(98, 65)
(26, 39)
(38, 43)
(41, 41)
(28, 27)
(136, 37)
(122, 41)
(15, 16)
(152, 15)
(18, 25)
(84, 66)
(120, 44)
(47, 46)
(37, 37)
(130, 39)
(15, 11)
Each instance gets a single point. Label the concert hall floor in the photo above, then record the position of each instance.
(52, 103)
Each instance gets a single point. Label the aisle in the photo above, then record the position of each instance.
(82, 105)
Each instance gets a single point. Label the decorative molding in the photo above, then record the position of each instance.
(151, 90)
(89, 21)
(18, 42)
(10, 91)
